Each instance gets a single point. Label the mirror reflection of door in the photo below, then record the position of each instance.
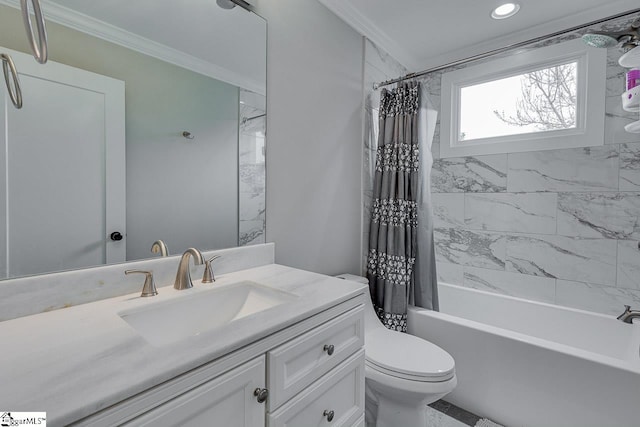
(70, 137)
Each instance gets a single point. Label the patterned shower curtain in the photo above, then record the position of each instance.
(399, 190)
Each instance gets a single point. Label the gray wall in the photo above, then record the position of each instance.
(314, 134)
(184, 192)
(558, 226)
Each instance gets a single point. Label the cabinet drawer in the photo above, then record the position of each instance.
(299, 362)
(340, 391)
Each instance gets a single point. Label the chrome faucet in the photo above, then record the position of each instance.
(160, 247)
(183, 277)
(628, 315)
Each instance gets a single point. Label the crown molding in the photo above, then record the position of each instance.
(540, 30)
(105, 31)
(414, 63)
(364, 26)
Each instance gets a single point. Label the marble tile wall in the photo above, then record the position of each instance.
(557, 226)
(252, 194)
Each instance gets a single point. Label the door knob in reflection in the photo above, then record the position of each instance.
(116, 236)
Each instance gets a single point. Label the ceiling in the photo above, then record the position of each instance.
(421, 34)
(197, 34)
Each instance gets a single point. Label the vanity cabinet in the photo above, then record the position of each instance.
(320, 375)
(336, 399)
(293, 366)
(313, 371)
(226, 400)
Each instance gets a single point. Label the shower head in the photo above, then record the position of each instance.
(230, 4)
(607, 39)
(599, 39)
(226, 4)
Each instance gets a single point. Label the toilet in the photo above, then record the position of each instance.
(403, 373)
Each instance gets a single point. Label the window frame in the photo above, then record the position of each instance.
(590, 114)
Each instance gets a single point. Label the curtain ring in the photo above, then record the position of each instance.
(9, 67)
(40, 50)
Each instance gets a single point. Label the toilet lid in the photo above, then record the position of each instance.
(408, 356)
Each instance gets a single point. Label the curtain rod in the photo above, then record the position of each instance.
(501, 49)
(248, 119)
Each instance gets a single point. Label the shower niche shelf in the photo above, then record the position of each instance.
(631, 97)
(631, 100)
(630, 59)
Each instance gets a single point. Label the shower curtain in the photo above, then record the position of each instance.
(401, 259)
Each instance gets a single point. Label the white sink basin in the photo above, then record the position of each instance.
(166, 322)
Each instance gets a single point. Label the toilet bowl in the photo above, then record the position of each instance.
(403, 373)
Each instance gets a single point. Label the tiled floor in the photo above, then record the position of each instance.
(439, 419)
(445, 414)
(449, 415)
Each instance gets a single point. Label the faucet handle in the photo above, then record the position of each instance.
(208, 276)
(149, 288)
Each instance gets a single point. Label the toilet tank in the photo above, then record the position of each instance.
(371, 321)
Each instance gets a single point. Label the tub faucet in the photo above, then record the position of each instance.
(183, 277)
(628, 315)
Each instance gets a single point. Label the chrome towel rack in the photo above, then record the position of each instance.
(8, 67)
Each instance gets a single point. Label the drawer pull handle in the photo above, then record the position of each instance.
(261, 394)
(329, 349)
(329, 415)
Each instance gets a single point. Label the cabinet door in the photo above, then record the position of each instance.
(225, 401)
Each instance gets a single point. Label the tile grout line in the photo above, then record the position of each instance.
(555, 281)
(618, 150)
(507, 174)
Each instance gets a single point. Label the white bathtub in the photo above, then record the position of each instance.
(523, 363)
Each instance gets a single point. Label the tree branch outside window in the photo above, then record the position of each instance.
(548, 99)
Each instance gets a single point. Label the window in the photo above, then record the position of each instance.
(547, 98)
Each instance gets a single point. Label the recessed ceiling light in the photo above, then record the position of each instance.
(505, 10)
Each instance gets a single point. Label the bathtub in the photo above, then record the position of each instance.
(522, 363)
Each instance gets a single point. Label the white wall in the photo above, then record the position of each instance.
(314, 136)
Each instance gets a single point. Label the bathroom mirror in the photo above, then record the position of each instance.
(147, 123)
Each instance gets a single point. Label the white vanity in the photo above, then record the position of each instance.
(288, 351)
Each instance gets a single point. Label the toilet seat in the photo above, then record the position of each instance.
(410, 377)
(408, 357)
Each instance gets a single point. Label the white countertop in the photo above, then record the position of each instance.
(76, 361)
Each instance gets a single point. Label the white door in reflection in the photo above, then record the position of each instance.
(62, 170)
